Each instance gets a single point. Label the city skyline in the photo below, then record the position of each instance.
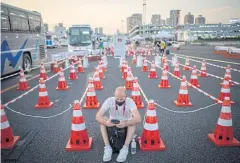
(100, 13)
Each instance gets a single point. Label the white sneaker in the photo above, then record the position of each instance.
(122, 154)
(107, 154)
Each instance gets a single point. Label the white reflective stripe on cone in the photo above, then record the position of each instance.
(91, 94)
(183, 92)
(194, 77)
(2, 112)
(151, 127)
(226, 109)
(225, 82)
(96, 79)
(62, 79)
(129, 78)
(203, 68)
(43, 93)
(227, 75)
(183, 84)
(152, 69)
(136, 93)
(164, 78)
(72, 71)
(224, 90)
(42, 71)
(176, 69)
(77, 113)
(78, 127)
(224, 122)
(42, 86)
(22, 80)
(4, 125)
(151, 113)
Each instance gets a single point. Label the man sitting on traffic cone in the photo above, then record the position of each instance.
(194, 78)
(91, 99)
(203, 72)
(72, 75)
(164, 80)
(80, 66)
(183, 99)
(55, 67)
(134, 60)
(153, 74)
(62, 84)
(136, 94)
(228, 75)
(177, 70)
(145, 66)
(129, 80)
(79, 140)
(43, 99)
(8, 140)
(225, 90)
(150, 139)
(187, 65)
(165, 64)
(118, 130)
(223, 134)
(97, 81)
(22, 84)
(43, 73)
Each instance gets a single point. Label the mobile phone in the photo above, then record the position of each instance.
(115, 121)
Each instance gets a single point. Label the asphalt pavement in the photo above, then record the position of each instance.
(184, 135)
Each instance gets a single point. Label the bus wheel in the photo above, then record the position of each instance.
(27, 62)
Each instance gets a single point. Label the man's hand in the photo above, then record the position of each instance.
(121, 124)
(109, 123)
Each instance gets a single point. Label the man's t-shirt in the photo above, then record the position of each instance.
(119, 113)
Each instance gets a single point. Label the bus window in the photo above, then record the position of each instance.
(25, 26)
(15, 12)
(32, 25)
(15, 23)
(4, 10)
(5, 25)
(37, 26)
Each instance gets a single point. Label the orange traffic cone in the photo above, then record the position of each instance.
(194, 78)
(97, 82)
(8, 140)
(62, 84)
(223, 134)
(78, 140)
(153, 74)
(176, 70)
(22, 84)
(145, 66)
(136, 95)
(163, 58)
(165, 64)
(91, 99)
(101, 74)
(150, 139)
(183, 99)
(129, 80)
(164, 80)
(187, 65)
(228, 74)
(203, 72)
(43, 99)
(72, 75)
(124, 65)
(134, 60)
(43, 73)
(125, 72)
(80, 66)
(103, 66)
(55, 67)
(225, 90)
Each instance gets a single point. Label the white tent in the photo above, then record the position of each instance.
(163, 34)
(137, 37)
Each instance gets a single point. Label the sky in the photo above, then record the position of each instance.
(110, 13)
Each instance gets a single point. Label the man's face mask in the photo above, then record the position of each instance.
(120, 101)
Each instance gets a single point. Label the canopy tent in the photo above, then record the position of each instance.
(137, 37)
(163, 34)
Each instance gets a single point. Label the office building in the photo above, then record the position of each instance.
(200, 20)
(60, 30)
(134, 20)
(46, 27)
(175, 17)
(156, 19)
(100, 30)
(189, 19)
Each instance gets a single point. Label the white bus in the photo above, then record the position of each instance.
(22, 39)
(80, 39)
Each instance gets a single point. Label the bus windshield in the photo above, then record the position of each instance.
(79, 36)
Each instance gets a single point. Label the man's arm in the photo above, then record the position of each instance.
(135, 120)
(99, 117)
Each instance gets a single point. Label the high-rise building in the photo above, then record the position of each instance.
(200, 20)
(100, 30)
(175, 17)
(163, 22)
(189, 19)
(134, 20)
(96, 30)
(156, 19)
(168, 21)
(60, 30)
(46, 27)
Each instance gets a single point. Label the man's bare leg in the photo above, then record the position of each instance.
(130, 132)
(104, 133)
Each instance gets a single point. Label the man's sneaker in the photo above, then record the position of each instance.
(122, 154)
(107, 154)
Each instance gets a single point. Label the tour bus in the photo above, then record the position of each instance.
(51, 41)
(80, 39)
(22, 39)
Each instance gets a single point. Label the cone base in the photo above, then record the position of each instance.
(169, 86)
(180, 104)
(161, 147)
(44, 106)
(62, 88)
(91, 107)
(8, 145)
(70, 148)
(234, 142)
(98, 88)
(20, 89)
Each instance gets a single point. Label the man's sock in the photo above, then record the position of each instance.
(108, 147)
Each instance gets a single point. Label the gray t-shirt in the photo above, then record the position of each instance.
(119, 113)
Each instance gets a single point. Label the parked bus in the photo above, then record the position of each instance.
(51, 41)
(80, 39)
(22, 39)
